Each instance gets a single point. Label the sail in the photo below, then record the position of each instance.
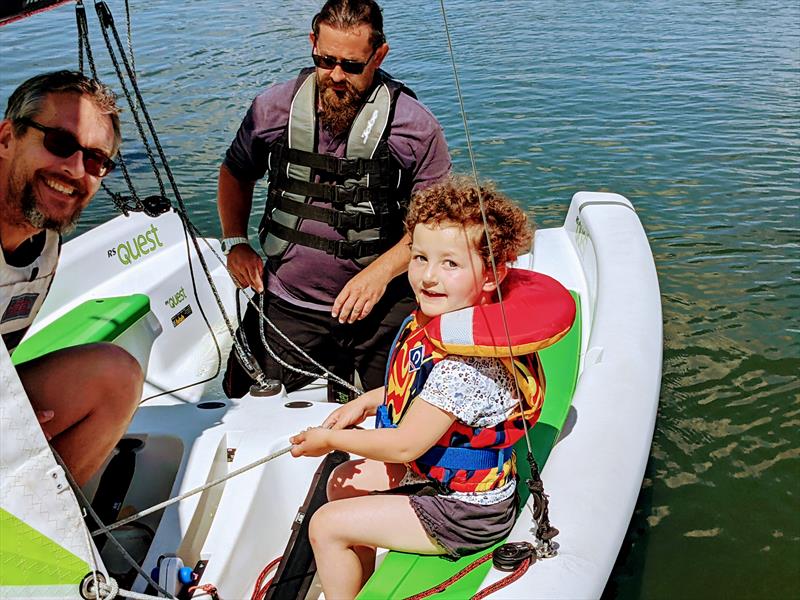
(11, 10)
(44, 549)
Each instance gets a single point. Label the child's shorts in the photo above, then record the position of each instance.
(462, 528)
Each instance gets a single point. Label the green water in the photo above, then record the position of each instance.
(690, 109)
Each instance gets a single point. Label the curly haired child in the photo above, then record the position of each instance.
(414, 499)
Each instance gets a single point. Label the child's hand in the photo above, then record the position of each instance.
(311, 442)
(347, 415)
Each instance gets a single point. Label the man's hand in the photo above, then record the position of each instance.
(359, 295)
(246, 267)
(311, 442)
(43, 416)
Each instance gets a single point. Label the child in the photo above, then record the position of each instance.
(403, 495)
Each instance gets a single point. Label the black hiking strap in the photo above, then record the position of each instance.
(296, 571)
(343, 167)
(339, 248)
(337, 219)
(336, 194)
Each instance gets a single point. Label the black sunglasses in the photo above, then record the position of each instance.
(353, 67)
(63, 144)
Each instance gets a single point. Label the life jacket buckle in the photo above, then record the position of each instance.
(357, 221)
(350, 166)
(346, 249)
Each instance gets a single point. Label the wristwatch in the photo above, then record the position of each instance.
(230, 242)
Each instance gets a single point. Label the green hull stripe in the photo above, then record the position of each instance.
(28, 558)
(100, 320)
(401, 575)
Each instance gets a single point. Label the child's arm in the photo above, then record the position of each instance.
(355, 411)
(422, 426)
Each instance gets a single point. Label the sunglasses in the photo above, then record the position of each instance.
(63, 144)
(353, 67)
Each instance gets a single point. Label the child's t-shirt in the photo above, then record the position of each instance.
(479, 392)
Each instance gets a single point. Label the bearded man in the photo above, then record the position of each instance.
(343, 146)
(57, 140)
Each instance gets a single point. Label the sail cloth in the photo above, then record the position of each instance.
(43, 544)
(12, 10)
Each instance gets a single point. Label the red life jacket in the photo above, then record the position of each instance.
(478, 459)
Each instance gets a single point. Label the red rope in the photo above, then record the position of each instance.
(507, 580)
(208, 588)
(445, 584)
(260, 589)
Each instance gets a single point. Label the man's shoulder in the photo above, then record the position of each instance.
(411, 112)
(277, 94)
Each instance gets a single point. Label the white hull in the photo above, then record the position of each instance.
(593, 474)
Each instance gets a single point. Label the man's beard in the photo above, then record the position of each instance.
(29, 212)
(337, 112)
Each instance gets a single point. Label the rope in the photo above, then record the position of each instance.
(108, 589)
(544, 531)
(88, 507)
(445, 584)
(275, 357)
(192, 492)
(507, 580)
(260, 589)
(107, 23)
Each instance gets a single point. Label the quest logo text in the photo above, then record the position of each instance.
(138, 246)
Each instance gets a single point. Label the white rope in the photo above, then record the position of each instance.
(192, 492)
(325, 373)
(107, 590)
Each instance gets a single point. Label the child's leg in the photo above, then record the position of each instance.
(362, 476)
(341, 532)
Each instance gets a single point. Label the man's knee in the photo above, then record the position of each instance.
(119, 375)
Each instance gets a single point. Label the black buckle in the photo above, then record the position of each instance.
(347, 195)
(358, 221)
(350, 166)
(349, 250)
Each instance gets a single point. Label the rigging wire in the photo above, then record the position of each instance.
(483, 216)
(107, 22)
(539, 509)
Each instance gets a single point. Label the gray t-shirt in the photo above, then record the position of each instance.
(307, 277)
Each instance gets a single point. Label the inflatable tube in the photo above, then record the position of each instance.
(539, 311)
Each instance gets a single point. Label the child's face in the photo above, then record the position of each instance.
(446, 272)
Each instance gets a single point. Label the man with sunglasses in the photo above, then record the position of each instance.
(343, 146)
(57, 141)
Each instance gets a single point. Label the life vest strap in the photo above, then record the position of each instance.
(337, 219)
(340, 248)
(335, 194)
(471, 459)
(382, 419)
(343, 167)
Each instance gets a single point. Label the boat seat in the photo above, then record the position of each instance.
(123, 320)
(401, 575)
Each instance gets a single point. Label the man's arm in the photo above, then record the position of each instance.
(234, 203)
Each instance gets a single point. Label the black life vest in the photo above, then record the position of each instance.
(364, 190)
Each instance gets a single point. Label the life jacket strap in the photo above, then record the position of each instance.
(382, 419)
(339, 248)
(337, 219)
(471, 459)
(343, 167)
(337, 195)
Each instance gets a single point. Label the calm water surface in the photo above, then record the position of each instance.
(690, 109)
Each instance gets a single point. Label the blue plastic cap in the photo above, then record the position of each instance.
(186, 575)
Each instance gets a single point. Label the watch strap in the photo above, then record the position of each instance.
(229, 242)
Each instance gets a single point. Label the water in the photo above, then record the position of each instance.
(690, 109)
